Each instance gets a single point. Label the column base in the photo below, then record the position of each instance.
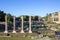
(22, 31)
(30, 31)
(14, 31)
(5, 31)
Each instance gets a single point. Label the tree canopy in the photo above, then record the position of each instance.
(2, 16)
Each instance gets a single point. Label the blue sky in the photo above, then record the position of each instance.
(29, 7)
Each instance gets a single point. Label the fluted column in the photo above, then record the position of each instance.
(30, 24)
(22, 31)
(6, 30)
(14, 25)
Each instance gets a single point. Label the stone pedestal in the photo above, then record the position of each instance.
(5, 31)
(14, 31)
(30, 31)
(22, 31)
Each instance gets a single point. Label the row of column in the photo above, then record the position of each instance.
(14, 31)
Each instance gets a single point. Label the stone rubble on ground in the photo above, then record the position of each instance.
(41, 38)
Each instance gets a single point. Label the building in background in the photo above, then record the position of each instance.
(55, 17)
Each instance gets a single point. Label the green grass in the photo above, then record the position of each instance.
(17, 36)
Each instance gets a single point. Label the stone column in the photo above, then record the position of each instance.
(14, 25)
(6, 30)
(22, 31)
(39, 18)
(30, 24)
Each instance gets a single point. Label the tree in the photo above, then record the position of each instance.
(36, 18)
(26, 18)
(9, 17)
(2, 15)
(32, 18)
(46, 17)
